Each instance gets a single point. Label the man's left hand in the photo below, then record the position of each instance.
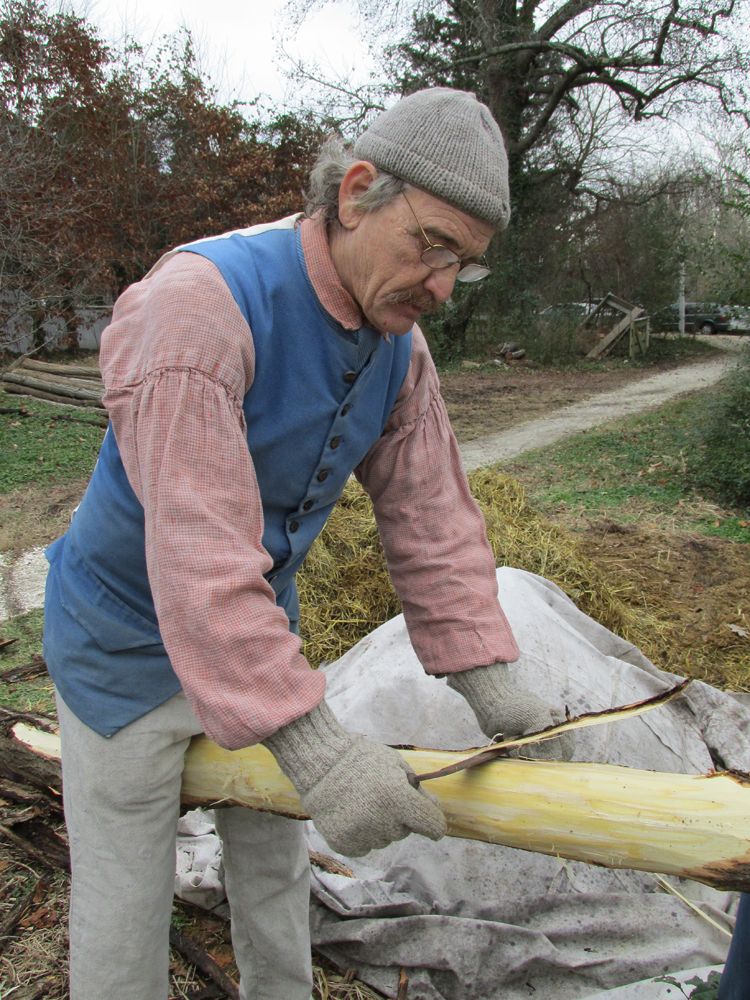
(505, 711)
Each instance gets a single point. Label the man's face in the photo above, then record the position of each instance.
(382, 265)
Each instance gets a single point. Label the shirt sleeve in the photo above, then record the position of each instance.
(433, 532)
(177, 361)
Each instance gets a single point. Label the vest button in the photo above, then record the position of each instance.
(323, 475)
(307, 505)
(350, 377)
(345, 409)
(335, 441)
(293, 525)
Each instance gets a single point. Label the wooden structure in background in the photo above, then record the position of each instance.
(634, 321)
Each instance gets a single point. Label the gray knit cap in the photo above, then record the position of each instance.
(447, 143)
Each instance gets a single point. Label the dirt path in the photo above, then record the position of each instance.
(634, 397)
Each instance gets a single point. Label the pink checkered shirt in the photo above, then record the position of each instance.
(177, 361)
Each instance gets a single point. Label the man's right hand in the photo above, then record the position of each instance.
(356, 791)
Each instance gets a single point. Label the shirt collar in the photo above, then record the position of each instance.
(324, 278)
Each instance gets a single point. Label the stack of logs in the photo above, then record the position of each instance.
(73, 385)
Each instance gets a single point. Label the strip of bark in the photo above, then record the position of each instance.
(4, 643)
(504, 748)
(329, 864)
(200, 958)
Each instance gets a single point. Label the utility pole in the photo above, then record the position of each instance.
(681, 297)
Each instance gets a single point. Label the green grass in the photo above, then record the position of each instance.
(35, 695)
(631, 470)
(41, 446)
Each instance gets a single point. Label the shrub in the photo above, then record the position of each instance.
(720, 462)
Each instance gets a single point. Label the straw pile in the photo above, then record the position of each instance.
(345, 591)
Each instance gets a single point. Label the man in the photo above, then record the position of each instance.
(246, 377)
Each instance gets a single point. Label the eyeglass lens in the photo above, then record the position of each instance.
(438, 256)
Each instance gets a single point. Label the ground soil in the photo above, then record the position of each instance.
(699, 586)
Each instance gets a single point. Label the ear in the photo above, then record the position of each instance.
(355, 182)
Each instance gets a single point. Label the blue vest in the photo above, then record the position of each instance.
(320, 399)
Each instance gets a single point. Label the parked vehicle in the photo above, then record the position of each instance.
(700, 317)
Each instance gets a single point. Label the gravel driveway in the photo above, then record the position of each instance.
(636, 397)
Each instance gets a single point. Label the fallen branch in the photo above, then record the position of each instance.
(25, 671)
(50, 855)
(206, 965)
(15, 914)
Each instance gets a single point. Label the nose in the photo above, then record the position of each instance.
(439, 283)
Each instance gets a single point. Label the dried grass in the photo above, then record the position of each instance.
(34, 961)
(345, 591)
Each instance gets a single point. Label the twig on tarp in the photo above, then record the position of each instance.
(403, 985)
(328, 864)
(206, 965)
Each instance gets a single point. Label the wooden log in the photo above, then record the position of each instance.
(688, 825)
(72, 371)
(43, 394)
(57, 386)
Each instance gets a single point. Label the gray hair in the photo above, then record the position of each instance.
(333, 161)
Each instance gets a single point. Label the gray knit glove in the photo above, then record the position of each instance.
(504, 710)
(356, 791)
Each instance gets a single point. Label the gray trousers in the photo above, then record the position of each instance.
(121, 798)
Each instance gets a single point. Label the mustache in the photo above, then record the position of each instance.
(418, 298)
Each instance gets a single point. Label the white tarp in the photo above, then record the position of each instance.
(472, 921)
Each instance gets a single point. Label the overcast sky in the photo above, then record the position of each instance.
(239, 41)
